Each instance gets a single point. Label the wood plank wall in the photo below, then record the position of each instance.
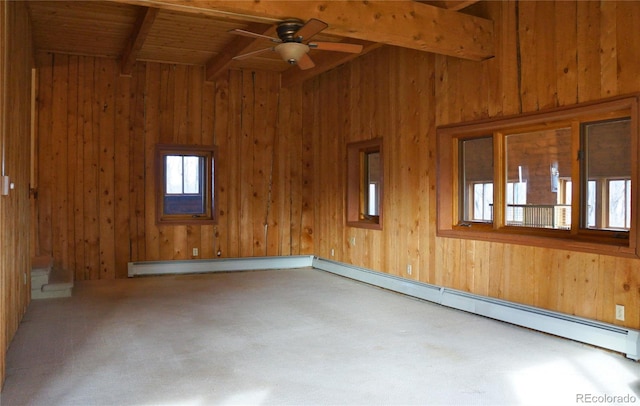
(548, 54)
(15, 110)
(386, 94)
(282, 156)
(97, 132)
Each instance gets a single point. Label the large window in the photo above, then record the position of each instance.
(185, 184)
(364, 184)
(566, 174)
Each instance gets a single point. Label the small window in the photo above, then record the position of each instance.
(185, 184)
(566, 175)
(364, 184)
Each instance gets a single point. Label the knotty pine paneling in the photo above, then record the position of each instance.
(388, 94)
(97, 133)
(281, 166)
(16, 62)
(548, 54)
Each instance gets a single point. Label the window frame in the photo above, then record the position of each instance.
(449, 137)
(209, 152)
(356, 176)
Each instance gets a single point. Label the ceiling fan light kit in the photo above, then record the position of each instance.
(291, 52)
(293, 38)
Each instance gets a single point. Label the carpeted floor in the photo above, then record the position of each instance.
(299, 337)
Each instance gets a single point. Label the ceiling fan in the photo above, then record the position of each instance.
(293, 42)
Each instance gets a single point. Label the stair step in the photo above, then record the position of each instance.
(40, 270)
(50, 294)
(47, 282)
(39, 279)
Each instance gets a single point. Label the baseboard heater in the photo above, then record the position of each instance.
(217, 265)
(609, 336)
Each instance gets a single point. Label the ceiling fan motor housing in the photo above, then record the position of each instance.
(287, 30)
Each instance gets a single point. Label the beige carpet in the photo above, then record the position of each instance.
(300, 337)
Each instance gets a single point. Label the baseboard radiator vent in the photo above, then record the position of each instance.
(217, 265)
(609, 336)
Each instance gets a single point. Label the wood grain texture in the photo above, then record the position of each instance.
(582, 52)
(407, 24)
(99, 131)
(16, 62)
(546, 65)
(280, 175)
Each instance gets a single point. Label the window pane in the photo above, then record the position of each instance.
(476, 179)
(192, 166)
(373, 176)
(173, 174)
(516, 197)
(607, 173)
(372, 208)
(482, 201)
(628, 216)
(591, 203)
(618, 203)
(185, 189)
(535, 161)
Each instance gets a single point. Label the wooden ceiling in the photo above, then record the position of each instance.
(197, 32)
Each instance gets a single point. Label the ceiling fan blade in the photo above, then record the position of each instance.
(305, 62)
(336, 46)
(253, 35)
(250, 54)
(311, 28)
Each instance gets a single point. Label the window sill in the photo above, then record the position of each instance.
(365, 224)
(186, 222)
(554, 240)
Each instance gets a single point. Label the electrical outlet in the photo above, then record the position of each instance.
(620, 312)
(333, 252)
(409, 269)
(195, 252)
(352, 241)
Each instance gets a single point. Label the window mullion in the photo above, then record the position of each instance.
(500, 182)
(182, 177)
(578, 179)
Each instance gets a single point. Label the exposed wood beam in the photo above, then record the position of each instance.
(221, 62)
(324, 61)
(140, 31)
(402, 23)
(450, 4)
